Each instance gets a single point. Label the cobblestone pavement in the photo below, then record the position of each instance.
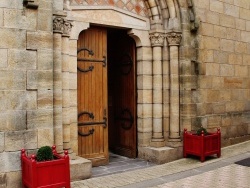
(183, 173)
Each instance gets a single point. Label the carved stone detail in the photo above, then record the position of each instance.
(58, 25)
(174, 38)
(67, 28)
(157, 38)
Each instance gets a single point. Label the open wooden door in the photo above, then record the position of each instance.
(92, 95)
(122, 93)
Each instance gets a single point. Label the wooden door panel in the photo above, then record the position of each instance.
(122, 89)
(92, 96)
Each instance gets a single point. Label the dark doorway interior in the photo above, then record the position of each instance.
(121, 93)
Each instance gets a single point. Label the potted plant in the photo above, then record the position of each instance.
(45, 169)
(201, 143)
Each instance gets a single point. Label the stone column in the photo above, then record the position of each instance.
(58, 22)
(65, 87)
(157, 40)
(174, 39)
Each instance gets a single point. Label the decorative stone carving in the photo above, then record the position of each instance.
(67, 28)
(58, 25)
(174, 38)
(157, 38)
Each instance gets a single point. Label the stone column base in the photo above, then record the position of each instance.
(157, 142)
(160, 155)
(174, 142)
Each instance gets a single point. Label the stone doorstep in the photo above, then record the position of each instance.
(160, 155)
(80, 168)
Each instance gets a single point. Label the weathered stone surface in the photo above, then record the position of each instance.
(144, 82)
(3, 180)
(12, 79)
(1, 143)
(16, 140)
(1, 16)
(13, 179)
(22, 59)
(18, 100)
(39, 40)
(13, 38)
(14, 18)
(72, 80)
(4, 58)
(39, 79)
(45, 59)
(13, 120)
(45, 137)
(44, 19)
(45, 98)
(12, 4)
(41, 118)
(80, 168)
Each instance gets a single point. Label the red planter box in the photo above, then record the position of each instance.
(45, 174)
(203, 145)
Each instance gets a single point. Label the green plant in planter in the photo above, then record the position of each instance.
(44, 154)
(199, 131)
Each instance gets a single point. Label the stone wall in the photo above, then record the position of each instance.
(26, 84)
(223, 68)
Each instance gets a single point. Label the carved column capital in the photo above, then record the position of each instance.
(157, 38)
(58, 24)
(174, 38)
(67, 28)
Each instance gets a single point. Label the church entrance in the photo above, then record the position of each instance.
(106, 80)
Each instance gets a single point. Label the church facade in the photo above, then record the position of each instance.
(120, 76)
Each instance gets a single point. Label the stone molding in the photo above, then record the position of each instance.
(62, 26)
(58, 23)
(157, 38)
(174, 38)
(67, 26)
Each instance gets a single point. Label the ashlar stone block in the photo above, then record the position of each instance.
(12, 120)
(12, 80)
(13, 178)
(39, 40)
(45, 60)
(16, 140)
(14, 18)
(45, 99)
(22, 59)
(39, 79)
(41, 118)
(17, 4)
(13, 38)
(18, 100)
(44, 22)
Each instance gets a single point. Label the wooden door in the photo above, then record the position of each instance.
(92, 95)
(122, 93)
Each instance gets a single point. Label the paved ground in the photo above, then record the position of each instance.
(183, 173)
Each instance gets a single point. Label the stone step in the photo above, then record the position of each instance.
(160, 155)
(80, 168)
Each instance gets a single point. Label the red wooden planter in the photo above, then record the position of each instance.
(45, 174)
(203, 145)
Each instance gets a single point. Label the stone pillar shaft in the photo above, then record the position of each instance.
(57, 79)
(174, 39)
(157, 40)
